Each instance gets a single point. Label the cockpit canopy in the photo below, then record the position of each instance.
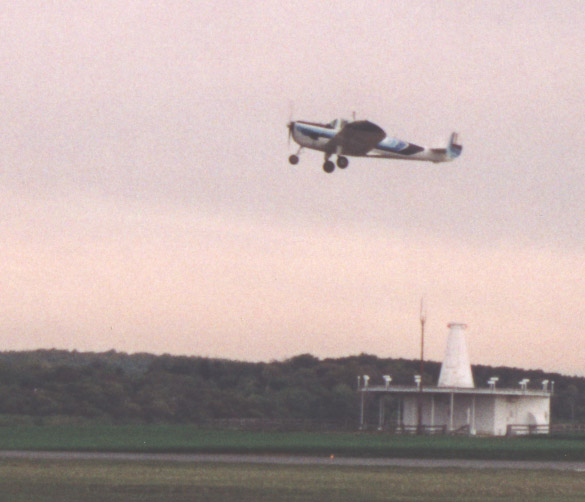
(337, 124)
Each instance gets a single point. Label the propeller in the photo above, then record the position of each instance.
(290, 126)
(291, 122)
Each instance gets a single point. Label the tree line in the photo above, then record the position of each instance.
(46, 386)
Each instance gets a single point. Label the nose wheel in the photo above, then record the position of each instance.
(328, 166)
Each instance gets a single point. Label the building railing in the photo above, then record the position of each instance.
(464, 430)
(268, 425)
(278, 425)
(428, 430)
(527, 429)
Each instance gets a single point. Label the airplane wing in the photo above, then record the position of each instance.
(394, 148)
(356, 138)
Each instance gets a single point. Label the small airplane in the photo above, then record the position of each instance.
(361, 138)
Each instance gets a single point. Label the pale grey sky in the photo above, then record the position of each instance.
(147, 204)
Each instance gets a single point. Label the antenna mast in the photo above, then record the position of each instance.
(423, 318)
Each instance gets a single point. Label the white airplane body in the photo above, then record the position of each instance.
(362, 139)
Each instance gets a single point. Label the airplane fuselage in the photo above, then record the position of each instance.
(364, 139)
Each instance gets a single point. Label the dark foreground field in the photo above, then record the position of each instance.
(93, 481)
(154, 480)
(188, 439)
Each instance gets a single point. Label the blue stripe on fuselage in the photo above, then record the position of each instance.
(393, 145)
(315, 132)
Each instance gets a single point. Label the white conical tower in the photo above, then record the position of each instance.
(456, 370)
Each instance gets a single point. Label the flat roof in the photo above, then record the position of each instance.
(409, 389)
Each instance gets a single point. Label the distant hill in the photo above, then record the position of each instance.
(56, 386)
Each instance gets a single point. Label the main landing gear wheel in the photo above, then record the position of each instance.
(342, 162)
(329, 166)
(294, 159)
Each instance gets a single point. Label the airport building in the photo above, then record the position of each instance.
(456, 405)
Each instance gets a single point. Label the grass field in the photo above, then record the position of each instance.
(190, 439)
(91, 481)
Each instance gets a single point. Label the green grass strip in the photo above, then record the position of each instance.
(189, 439)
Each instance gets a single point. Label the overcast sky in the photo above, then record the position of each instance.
(146, 201)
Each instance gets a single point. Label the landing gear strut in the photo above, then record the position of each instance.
(294, 158)
(328, 165)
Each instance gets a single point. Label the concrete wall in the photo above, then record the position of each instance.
(485, 415)
(436, 410)
(522, 410)
(493, 413)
